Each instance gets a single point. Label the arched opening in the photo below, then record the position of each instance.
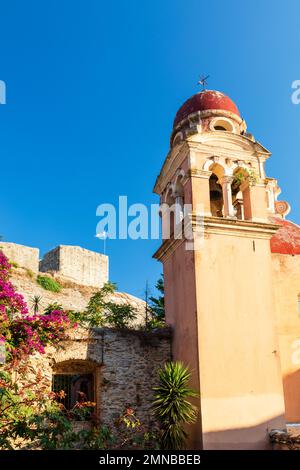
(216, 196)
(74, 382)
(222, 125)
(240, 174)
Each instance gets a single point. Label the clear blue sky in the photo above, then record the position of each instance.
(92, 90)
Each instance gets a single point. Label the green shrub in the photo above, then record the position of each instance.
(103, 312)
(51, 307)
(171, 405)
(157, 304)
(48, 283)
(14, 264)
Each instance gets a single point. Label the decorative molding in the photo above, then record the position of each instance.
(196, 173)
(219, 226)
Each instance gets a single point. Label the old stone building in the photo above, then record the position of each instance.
(115, 368)
(233, 298)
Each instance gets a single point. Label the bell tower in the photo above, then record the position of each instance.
(218, 280)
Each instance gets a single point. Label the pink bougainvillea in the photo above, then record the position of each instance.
(25, 334)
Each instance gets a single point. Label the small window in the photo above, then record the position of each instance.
(219, 124)
(77, 388)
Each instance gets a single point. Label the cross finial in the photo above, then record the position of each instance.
(203, 81)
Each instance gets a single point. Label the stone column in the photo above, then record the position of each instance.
(228, 210)
(178, 209)
(271, 188)
(262, 173)
(165, 213)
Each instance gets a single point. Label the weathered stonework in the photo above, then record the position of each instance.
(124, 364)
(24, 256)
(72, 296)
(77, 264)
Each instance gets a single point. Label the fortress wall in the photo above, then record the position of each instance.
(82, 266)
(24, 256)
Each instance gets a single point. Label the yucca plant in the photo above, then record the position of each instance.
(171, 406)
(36, 303)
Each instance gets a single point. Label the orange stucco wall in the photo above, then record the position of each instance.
(286, 275)
(240, 376)
(180, 301)
(220, 302)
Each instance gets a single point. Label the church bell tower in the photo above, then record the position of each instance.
(219, 293)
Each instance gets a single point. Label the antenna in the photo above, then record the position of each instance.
(102, 236)
(203, 81)
(146, 304)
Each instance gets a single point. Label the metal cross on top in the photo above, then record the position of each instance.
(203, 81)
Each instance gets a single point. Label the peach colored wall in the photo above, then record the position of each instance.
(201, 186)
(240, 377)
(181, 312)
(255, 202)
(286, 274)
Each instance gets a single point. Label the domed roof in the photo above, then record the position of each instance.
(286, 241)
(203, 101)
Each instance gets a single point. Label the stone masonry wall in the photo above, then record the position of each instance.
(124, 362)
(24, 256)
(77, 264)
(72, 296)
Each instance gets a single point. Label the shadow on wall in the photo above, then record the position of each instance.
(291, 388)
(250, 438)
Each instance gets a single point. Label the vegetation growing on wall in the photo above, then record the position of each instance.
(101, 311)
(48, 283)
(243, 175)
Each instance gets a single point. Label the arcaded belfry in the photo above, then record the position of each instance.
(232, 301)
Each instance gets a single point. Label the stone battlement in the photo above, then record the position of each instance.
(24, 256)
(74, 263)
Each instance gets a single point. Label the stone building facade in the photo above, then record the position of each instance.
(122, 364)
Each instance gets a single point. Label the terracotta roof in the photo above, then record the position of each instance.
(203, 101)
(287, 239)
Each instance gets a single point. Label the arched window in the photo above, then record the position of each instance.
(77, 380)
(76, 388)
(216, 196)
(240, 174)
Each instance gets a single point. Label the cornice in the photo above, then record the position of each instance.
(218, 226)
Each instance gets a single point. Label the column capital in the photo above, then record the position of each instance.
(225, 182)
(226, 179)
(198, 173)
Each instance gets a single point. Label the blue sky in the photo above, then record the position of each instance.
(92, 90)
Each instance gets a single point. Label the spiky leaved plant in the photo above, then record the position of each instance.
(171, 406)
(36, 303)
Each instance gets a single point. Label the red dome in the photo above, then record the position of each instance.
(287, 239)
(207, 99)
